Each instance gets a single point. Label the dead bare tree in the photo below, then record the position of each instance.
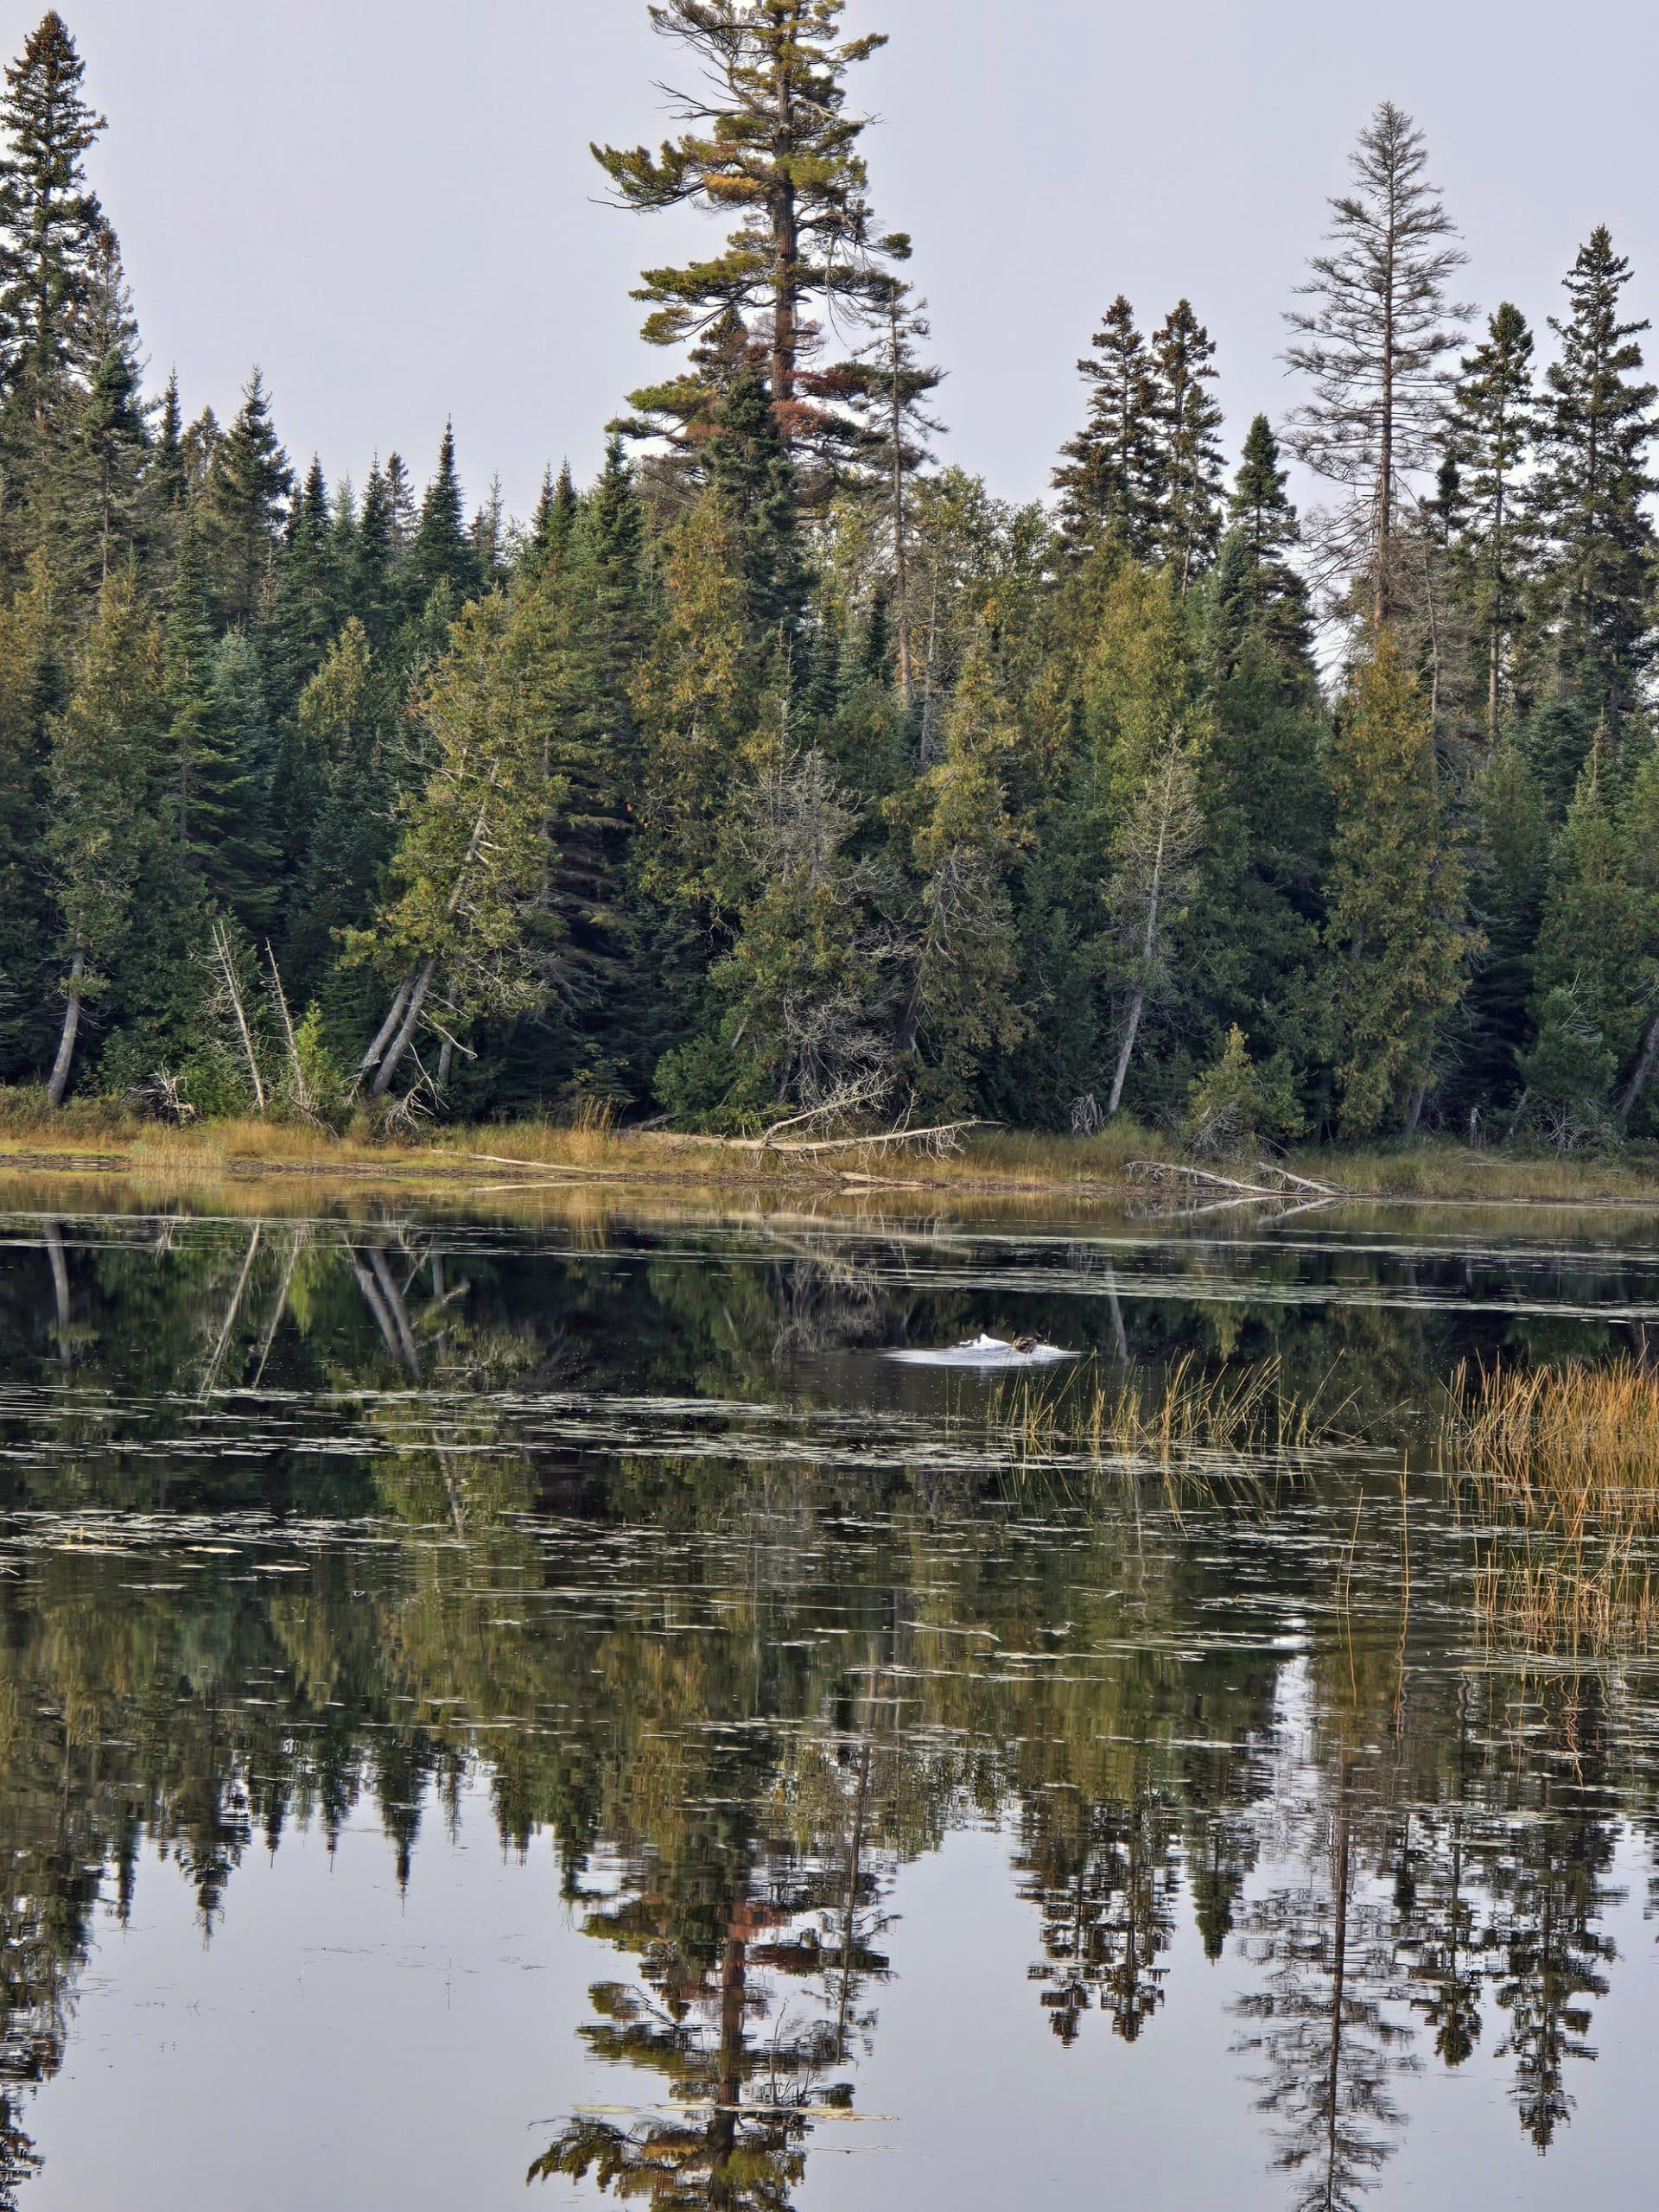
(1160, 838)
(1374, 347)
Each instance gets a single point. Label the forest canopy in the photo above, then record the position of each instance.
(783, 770)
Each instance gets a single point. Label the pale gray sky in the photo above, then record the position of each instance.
(389, 203)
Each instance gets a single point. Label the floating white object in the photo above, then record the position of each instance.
(987, 1351)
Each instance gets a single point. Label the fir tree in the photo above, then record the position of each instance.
(1397, 930)
(1187, 421)
(1111, 480)
(242, 508)
(1600, 423)
(1264, 588)
(1493, 427)
(53, 223)
(442, 553)
(753, 485)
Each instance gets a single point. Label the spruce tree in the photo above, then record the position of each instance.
(1266, 589)
(752, 481)
(53, 223)
(1373, 346)
(442, 553)
(242, 508)
(1598, 426)
(773, 142)
(1397, 930)
(1187, 420)
(1111, 480)
(1493, 427)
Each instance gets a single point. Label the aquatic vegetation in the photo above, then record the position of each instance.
(1188, 1405)
(1565, 1464)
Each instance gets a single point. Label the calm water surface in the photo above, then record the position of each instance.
(488, 1708)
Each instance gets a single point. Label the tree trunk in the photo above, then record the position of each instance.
(1642, 1076)
(1137, 1004)
(420, 987)
(59, 1081)
(1414, 1111)
(388, 1027)
(901, 550)
(228, 966)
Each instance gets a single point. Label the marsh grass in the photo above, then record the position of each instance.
(1564, 1462)
(1168, 1414)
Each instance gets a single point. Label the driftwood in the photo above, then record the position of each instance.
(1170, 1171)
(938, 1136)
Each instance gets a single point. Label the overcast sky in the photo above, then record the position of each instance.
(390, 204)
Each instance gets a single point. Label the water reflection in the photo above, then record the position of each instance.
(302, 1518)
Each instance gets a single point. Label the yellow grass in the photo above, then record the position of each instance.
(1186, 1407)
(89, 1133)
(1566, 1464)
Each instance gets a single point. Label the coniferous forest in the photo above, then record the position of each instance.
(784, 770)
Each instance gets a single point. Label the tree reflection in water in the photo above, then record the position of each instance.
(436, 1514)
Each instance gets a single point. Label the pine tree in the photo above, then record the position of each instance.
(1112, 480)
(165, 488)
(112, 442)
(242, 508)
(1493, 427)
(1397, 930)
(1373, 347)
(772, 142)
(52, 221)
(1187, 420)
(1600, 423)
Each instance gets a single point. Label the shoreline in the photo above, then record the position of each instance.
(524, 1158)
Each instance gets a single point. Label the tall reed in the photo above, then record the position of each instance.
(1565, 1464)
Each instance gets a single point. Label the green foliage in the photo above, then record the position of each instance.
(1235, 1104)
(1397, 929)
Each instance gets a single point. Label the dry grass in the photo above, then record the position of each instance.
(89, 1133)
(1187, 1406)
(1566, 1465)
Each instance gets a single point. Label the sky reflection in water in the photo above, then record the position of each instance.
(478, 1701)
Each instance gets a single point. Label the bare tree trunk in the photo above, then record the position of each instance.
(303, 1098)
(421, 982)
(420, 988)
(900, 549)
(1414, 1111)
(1137, 1004)
(59, 1081)
(1642, 1075)
(388, 1029)
(227, 967)
(60, 1265)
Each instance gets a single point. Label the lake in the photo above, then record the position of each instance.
(546, 1704)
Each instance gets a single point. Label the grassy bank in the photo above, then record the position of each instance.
(96, 1139)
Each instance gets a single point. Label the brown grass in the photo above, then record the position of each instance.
(1187, 1406)
(1566, 1465)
